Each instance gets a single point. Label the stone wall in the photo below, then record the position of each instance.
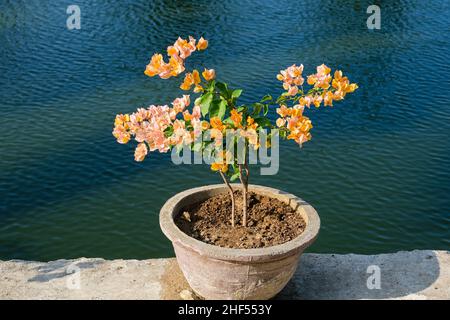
(403, 275)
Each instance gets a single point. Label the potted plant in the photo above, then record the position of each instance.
(232, 241)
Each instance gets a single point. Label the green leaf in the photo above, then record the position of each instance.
(168, 132)
(211, 86)
(257, 107)
(205, 103)
(236, 93)
(234, 177)
(218, 108)
(263, 122)
(223, 88)
(281, 99)
(266, 109)
(222, 109)
(241, 108)
(267, 97)
(228, 121)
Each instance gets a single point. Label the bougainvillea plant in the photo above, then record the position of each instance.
(217, 111)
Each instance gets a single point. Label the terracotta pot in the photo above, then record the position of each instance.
(224, 273)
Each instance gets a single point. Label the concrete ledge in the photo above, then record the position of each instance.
(404, 275)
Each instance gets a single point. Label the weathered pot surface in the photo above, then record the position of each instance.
(224, 273)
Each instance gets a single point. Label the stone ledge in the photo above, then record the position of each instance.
(416, 274)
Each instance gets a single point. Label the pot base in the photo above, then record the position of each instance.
(223, 273)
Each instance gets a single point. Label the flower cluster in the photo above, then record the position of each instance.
(292, 78)
(178, 52)
(193, 79)
(157, 127)
(321, 79)
(296, 124)
(216, 110)
(326, 89)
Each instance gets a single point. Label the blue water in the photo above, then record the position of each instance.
(377, 169)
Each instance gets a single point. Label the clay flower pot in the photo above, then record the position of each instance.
(223, 273)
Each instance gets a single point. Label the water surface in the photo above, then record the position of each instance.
(377, 169)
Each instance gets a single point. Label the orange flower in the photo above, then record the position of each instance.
(299, 129)
(236, 117)
(209, 74)
(321, 79)
(155, 65)
(205, 125)
(219, 167)
(310, 99)
(328, 98)
(317, 100)
(223, 160)
(196, 76)
(172, 51)
(352, 88)
(342, 86)
(202, 44)
(251, 124)
(173, 68)
(284, 111)
(198, 89)
(197, 80)
(121, 119)
(216, 123)
(188, 81)
(192, 79)
(297, 111)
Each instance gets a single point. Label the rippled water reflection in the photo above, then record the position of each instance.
(377, 169)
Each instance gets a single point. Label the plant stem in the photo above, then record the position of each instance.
(247, 173)
(244, 195)
(230, 190)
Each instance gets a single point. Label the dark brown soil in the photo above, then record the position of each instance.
(270, 222)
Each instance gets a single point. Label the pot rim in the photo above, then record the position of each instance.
(298, 244)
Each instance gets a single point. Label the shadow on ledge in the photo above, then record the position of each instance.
(61, 268)
(329, 276)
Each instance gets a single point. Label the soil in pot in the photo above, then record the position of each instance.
(270, 222)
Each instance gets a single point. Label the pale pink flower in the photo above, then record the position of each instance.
(184, 47)
(292, 78)
(196, 113)
(141, 114)
(252, 136)
(121, 134)
(141, 152)
(197, 124)
(280, 122)
(293, 90)
(179, 104)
